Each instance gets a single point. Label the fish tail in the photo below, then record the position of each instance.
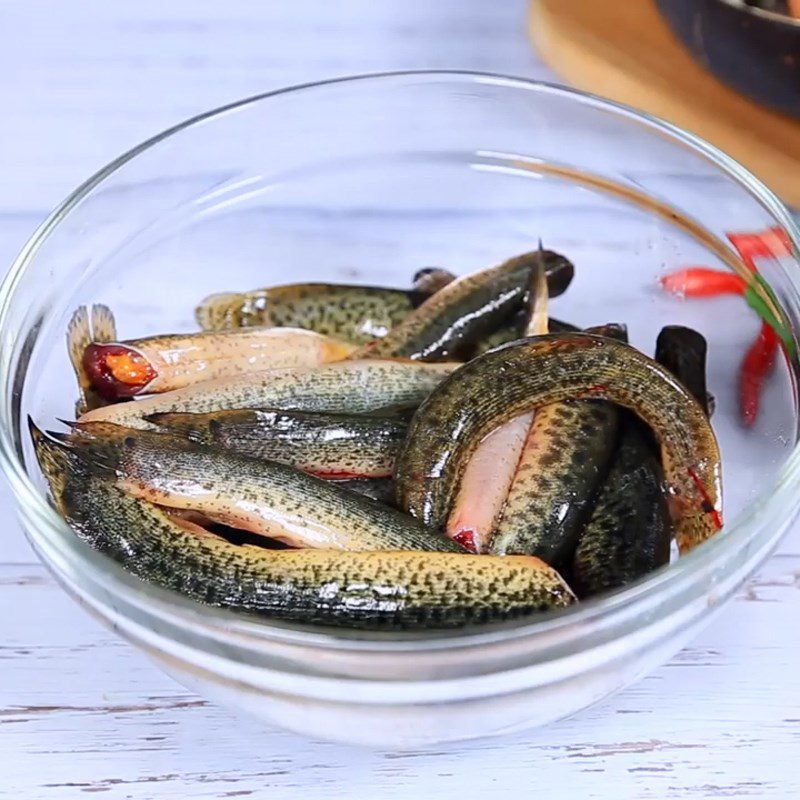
(180, 424)
(220, 311)
(56, 458)
(104, 326)
(84, 328)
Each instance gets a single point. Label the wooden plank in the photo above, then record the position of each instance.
(626, 52)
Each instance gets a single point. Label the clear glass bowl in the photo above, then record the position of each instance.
(368, 179)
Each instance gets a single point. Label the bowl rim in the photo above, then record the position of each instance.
(612, 607)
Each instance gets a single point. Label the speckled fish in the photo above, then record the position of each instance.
(328, 445)
(263, 497)
(566, 456)
(377, 590)
(156, 364)
(547, 369)
(380, 489)
(490, 470)
(355, 314)
(629, 531)
(461, 312)
(514, 330)
(349, 387)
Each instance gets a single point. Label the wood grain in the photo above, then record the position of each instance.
(625, 51)
(82, 713)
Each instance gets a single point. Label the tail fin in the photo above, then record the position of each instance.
(538, 299)
(83, 329)
(219, 312)
(181, 424)
(57, 460)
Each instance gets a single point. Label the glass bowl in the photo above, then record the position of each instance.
(366, 180)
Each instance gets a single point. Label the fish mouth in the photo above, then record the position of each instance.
(117, 371)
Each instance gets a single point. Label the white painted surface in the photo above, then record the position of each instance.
(80, 711)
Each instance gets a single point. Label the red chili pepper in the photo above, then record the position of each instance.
(756, 365)
(770, 243)
(703, 282)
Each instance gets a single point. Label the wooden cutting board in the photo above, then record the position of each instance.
(625, 51)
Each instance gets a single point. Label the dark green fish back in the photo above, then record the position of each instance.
(340, 445)
(342, 387)
(629, 532)
(524, 375)
(377, 590)
(683, 352)
(555, 487)
(204, 480)
(455, 317)
(566, 456)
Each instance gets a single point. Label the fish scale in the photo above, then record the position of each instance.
(446, 429)
(373, 590)
(264, 497)
(337, 445)
(352, 387)
(356, 314)
(554, 487)
(466, 309)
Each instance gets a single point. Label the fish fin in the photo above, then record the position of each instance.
(83, 329)
(104, 326)
(57, 460)
(538, 302)
(180, 425)
(220, 311)
(79, 336)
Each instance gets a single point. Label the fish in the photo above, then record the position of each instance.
(490, 470)
(336, 446)
(380, 489)
(564, 459)
(93, 324)
(566, 456)
(683, 352)
(355, 314)
(454, 318)
(485, 483)
(263, 497)
(392, 591)
(156, 364)
(629, 530)
(511, 331)
(523, 375)
(348, 387)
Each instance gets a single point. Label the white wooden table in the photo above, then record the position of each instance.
(83, 713)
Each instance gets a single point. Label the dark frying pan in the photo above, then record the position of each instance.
(753, 50)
